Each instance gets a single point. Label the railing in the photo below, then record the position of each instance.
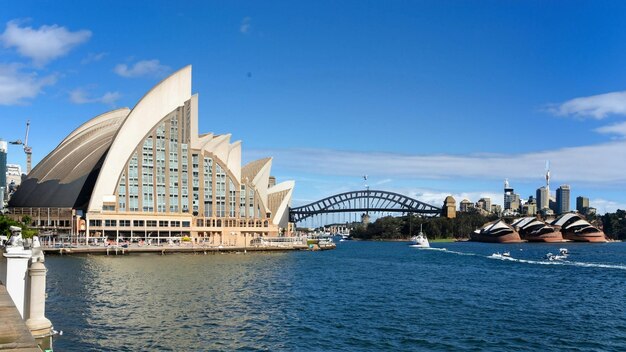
(278, 241)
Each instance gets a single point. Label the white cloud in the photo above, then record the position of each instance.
(618, 128)
(142, 68)
(596, 106)
(245, 25)
(436, 198)
(44, 44)
(382, 182)
(80, 96)
(606, 206)
(92, 57)
(586, 164)
(110, 98)
(17, 86)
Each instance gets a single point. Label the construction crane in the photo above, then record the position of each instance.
(27, 149)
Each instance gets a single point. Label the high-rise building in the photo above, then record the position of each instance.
(582, 204)
(484, 203)
(509, 195)
(562, 199)
(515, 202)
(14, 178)
(543, 198)
(530, 207)
(465, 206)
(3, 172)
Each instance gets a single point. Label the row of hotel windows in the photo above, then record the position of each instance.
(52, 223)
(176, 223)
(225, 200)
(139, 223)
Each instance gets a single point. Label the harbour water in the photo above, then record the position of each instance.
(363, 296)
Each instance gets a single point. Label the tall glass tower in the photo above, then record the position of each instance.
(3, 171)
(562, 199)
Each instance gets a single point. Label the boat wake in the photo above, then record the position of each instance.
(454, 252)
(561, 262)
(596, 265)
(498, 256)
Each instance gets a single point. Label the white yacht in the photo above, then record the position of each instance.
(420, 241)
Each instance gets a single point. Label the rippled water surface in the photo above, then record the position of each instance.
(363, 296)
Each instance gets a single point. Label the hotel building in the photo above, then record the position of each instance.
(146, 173)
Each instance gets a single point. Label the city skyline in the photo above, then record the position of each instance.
(426, 101)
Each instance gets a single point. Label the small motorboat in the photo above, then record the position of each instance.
(563, 253)
(503, 255)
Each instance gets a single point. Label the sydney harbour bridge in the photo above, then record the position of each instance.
(345, 207)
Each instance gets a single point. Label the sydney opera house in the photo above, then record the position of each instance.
(567, 227)
(147, 173)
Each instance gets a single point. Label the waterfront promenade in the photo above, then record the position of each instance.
(14, 335)
(269, 245)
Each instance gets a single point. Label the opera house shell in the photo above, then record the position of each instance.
(533, 230)
(146, 172)
(575, 228)
(496, 231)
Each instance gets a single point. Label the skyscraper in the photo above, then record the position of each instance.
(582, 204)
(508, 195)
(543, 198)
(562, 199)
(3, 171)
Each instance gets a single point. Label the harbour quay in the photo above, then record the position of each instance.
(274, 244)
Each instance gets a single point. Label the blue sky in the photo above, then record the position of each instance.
(428, 98)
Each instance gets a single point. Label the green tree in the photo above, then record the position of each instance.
(398, 228)
(6, 223)
(614, 224)
(26, 220)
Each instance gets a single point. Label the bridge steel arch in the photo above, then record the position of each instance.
(363, 201)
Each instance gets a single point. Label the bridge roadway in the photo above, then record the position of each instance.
(364, 201)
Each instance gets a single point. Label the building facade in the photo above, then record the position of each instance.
(511, 199)
(3, 172)
(465, 206)
(582, 204)
(484, 204)
(146, 173)
(543, 198)
(563, 199)
(13, 178)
